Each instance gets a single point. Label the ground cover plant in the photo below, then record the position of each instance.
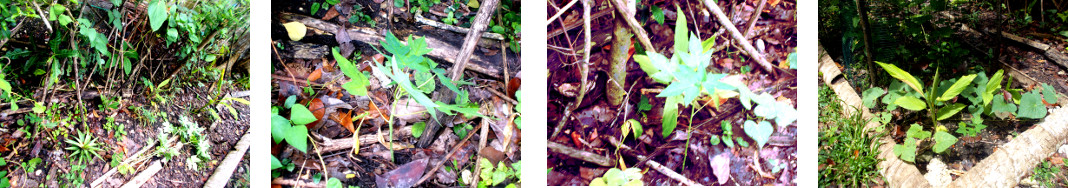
(97, 92)
(952, 82)
(396, 107)
(691, 102)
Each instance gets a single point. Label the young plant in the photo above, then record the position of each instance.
(84, 147)
(292, 130)
(616, 177)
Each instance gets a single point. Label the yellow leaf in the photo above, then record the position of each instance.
(473, 4)
(296, 30)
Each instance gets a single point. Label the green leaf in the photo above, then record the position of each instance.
(297, 136)
(635, 127)
(643, 104)
(871, 95)
(759, 132)
(658, 14)
(1049, 93)
(943, 141)
(744, 96)
(417, 129)
(957, 88)
(1031, 106)
(157, 14)
(334, 183)
(786, 115)
(911, 103)
(993, 85)
(949, 111)
(275, 164)
(681, 40)
(290, 101)
(793, 60)
(916, 131)
(127, 65)
(38, 107)
(906, 152)
(279, 126)
(402, 79)
(315, 8)
(670, 115)
(903, 76)
(300, 115)
(424, 81)
(708, 44)
(1001, 108)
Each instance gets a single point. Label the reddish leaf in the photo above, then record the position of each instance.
(317, 109)
(330, 14)
(575, 137)
(315, 75)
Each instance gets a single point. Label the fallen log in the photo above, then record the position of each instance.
(443, 47)
(226, 168)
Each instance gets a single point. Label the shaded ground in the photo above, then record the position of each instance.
(308, 71)
(594, 122)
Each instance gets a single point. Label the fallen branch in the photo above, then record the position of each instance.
(439, 25)
(653, 164)
(440, 49)
(746, 44)
(144, 176)
(365, 140)
(579, 154)
(447, 156)
(128, 160)
(753, 19)
(226, 168)
(483, 136)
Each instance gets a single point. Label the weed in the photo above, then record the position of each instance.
(847, 153)
(616, 177)
(84, 147)
(1045, 173)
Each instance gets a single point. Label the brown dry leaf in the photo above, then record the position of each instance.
(773, 3)
(721, 167)
(346, 121)
(315, 75)
(513, 85)
(330, 14)
(317, 109)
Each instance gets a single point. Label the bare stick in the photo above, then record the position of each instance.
(581, 155)
(746, 45)
(471, 40)
(447, 156)
(653, 164)
(753, 20)
(584, 68)
(144, 176)
(481, 144)
(437, 24)
(298, 183)
(561, 11)
(643, 37)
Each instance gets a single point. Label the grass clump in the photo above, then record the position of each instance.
(849, 153)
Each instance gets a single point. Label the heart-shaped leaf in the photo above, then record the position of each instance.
(300, 115)
(916, 131)
(417, 129)
(275, 164)
(1049, 94)
(297, 136)
(1031, 106)
(279, 126)
(1000, 108)
(759, 132)
(157, 14)
(907, 151)
(943, 141)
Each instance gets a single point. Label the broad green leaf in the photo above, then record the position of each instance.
(275, 164)
(1001, 108)
(417, 129)
(787, 115)
(279, 126)
(38, 107)
(681, 40)
(157, 14)
(871, 95)
(297, 136)
(393, 45)
(670, 115)
(1031, 106)
(402, 79)
(744, 96)
(949, 111)
(911, 103)
(708, 44)
(1049, 93)
(635, 127)
(943, 141)
(643, 104)
(57, 9)
(759, 132)
(300, 115)
(334, 183)
(957, 87)
(424, 81)
(658, 14)
(916, 131)
(993, 85)
(315, 8)
(907, 151)
(903, 76)
(292, 99)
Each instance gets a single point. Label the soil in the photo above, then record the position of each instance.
(375, 163)
(594, 122)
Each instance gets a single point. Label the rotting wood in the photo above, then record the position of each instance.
(226, 168)
(581, 155)
(1015, 159)
(898, 173)
(440, 49)
(128, 160)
